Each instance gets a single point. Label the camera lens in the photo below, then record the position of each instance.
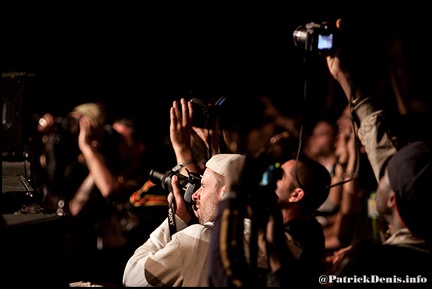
(164, 180)
(188, 184)
(154, 175)
(315, 37)
(300, 36)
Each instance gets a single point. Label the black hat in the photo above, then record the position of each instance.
(410, 175)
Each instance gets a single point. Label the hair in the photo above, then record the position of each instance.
(140, 132)
(95, 110)
(328, 120)
(315, 181)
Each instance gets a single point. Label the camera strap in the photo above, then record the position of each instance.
(179, 166)
(171, 217)
(171, 205)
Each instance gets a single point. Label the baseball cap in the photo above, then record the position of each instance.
(219, 163)
(410, 175)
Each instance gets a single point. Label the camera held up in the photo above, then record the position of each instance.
(189, 184)
(315, 37)
(203, 114)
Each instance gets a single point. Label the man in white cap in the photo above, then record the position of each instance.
(181, 259)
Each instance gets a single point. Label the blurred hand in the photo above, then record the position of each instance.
(45, 123)
(87, 132)
(210, 136)
(337, 255)
(335, 66)
(181, 125)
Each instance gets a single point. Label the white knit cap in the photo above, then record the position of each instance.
(219, 163)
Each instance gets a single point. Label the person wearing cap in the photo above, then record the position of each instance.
(401, 164)
(403, 201)
(180, 259)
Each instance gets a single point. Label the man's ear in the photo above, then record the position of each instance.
(223, 191)
(391, 202)
(296, 195)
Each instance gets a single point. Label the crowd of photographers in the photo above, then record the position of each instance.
(231, 206)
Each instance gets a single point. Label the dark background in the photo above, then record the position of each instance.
(121, 54)
(139, 58)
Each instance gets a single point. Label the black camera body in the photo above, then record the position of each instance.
(189, 184)
(203, 114)
(315, 37)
